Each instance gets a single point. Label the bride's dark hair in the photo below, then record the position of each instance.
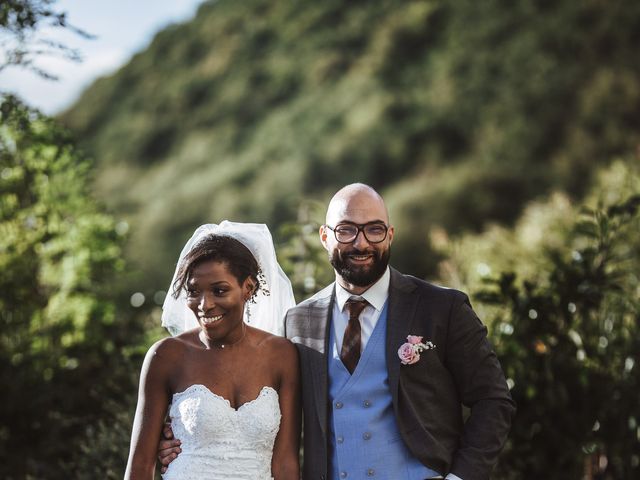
(220, 248)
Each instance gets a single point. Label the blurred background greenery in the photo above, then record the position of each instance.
(504, 136)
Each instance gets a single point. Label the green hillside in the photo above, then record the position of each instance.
(459, 112)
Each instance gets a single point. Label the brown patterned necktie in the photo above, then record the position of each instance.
(350, 352)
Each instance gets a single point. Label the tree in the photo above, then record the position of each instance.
(21, 22)
(65, 356)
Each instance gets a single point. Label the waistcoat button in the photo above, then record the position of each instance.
(366, 435)
(338, 405)
(371, 472)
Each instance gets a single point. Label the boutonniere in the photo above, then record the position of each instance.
(409, 352)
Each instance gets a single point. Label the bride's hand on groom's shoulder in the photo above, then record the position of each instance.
(168, 447)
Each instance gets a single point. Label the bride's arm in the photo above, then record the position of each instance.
(153, 399)
(285, 464)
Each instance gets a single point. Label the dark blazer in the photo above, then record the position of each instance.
(428, 395)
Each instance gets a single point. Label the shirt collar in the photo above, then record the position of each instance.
(376, 294)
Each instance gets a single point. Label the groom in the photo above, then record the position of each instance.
(367, 412)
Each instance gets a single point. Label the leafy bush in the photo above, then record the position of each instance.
(561, 293)
(569, 345)
(64, 352)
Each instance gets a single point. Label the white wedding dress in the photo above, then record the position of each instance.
(220, 442)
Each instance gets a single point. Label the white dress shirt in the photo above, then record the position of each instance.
(376, 295)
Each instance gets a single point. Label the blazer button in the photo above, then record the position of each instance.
(338, 405)
(366, 435)
(371, 472)
(343, 474)
(340, 439)
(366, 403)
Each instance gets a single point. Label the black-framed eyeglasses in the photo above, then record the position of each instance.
(374, 232)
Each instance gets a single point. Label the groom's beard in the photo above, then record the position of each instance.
(360, 275)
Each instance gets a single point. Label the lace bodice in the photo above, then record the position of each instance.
(220, 442)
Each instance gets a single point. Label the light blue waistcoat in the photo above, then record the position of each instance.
(364, 439)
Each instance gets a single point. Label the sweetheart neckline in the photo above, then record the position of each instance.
(215, 395)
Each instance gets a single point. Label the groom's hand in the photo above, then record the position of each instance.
(168, 447)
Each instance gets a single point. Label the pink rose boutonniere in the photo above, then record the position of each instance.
(409, 352)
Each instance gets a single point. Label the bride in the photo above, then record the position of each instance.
(232, 389)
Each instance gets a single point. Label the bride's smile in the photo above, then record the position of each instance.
(209, 320)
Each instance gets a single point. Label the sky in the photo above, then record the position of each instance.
(122, 28)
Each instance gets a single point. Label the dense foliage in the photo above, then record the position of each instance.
(570, 346)
(565, 316)
(460, 112)
(67, 360)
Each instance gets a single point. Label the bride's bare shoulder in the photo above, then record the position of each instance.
(172, 347)
(276, 348)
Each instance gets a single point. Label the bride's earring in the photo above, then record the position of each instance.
(247, 307)
(249, 300)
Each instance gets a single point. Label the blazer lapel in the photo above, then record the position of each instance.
(319, 318)
(402, 309)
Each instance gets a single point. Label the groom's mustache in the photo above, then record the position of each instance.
(356, 252)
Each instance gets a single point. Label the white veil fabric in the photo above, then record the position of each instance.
(268, 311)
